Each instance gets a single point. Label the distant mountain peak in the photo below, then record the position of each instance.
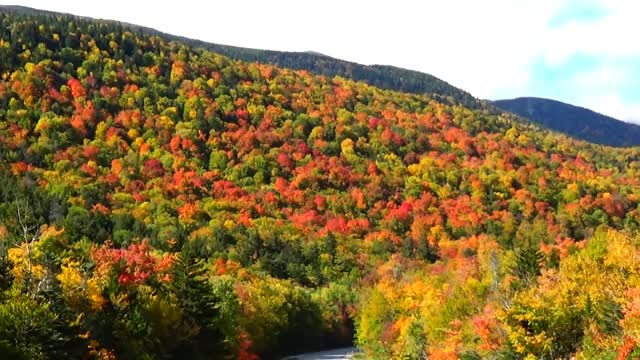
(575, 121)
(311, 52)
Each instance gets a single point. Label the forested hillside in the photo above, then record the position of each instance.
(162, 201)
(575, 121)
(383, 76)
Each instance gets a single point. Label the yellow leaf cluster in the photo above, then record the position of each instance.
(24, 265)
(76, 287)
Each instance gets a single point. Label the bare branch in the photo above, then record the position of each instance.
(30, 234)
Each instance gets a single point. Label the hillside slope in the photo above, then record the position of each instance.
(575, 121)
(163, 201)
(383, 76)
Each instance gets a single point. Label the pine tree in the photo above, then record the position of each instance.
(527, 266)
(208, 308)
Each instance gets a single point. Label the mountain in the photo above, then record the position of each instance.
(386, 77)
(382, 76)
(574, 121)
(162, 201)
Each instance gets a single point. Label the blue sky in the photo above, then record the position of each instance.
(581, 11)
(598, 70)
(579, 51)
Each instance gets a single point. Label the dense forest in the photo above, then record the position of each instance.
(382, 76)
(161, 201)
(573, 120)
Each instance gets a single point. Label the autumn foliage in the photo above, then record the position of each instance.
(181, 203)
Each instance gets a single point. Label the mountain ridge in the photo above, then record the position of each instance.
(581, 122)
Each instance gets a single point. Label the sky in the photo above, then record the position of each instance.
(583, 52)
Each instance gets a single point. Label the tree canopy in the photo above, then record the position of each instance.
(160, 200)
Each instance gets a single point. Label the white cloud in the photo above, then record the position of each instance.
(611, 104)
(602, 77)
(609, 36)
